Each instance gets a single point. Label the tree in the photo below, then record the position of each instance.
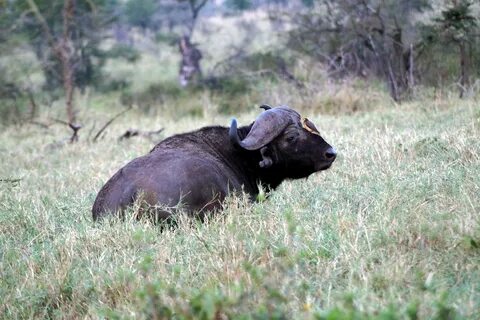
(457, 25)
(195, 7)
(65, 36)
(190, 63)
(361, 37)
(180, 18)
(191, 55)
(61, 48)
(239, 5)
(141, 13)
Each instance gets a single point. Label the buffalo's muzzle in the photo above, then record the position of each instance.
(330, 154)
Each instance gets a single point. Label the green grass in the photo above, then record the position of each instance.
(392, 231)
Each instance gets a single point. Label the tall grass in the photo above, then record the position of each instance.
(391, 231)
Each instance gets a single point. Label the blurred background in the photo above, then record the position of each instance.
(66, 59)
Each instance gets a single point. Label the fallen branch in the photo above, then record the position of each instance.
(40, 124)
(90, 132)
(33, 104)
(60, 121)
(109, 122)
(134, 133)
(10, 180)
(74, 126)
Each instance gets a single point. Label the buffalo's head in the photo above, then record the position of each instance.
(286, 141)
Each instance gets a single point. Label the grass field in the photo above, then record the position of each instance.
(392, 231)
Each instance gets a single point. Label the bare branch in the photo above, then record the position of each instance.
(134, 133)
(33, 104)
(109, 122)
(195, 9)
(43, 22)
(11, 180)
(65, 58)
(73, 126)
(40, 124)
(62, 51)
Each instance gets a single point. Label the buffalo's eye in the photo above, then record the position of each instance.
(291, 137)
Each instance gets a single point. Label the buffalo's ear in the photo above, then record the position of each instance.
(268, 125)
(267, 161)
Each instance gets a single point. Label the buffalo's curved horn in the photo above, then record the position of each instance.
(233, 133)
(265, 107)
(266, 127)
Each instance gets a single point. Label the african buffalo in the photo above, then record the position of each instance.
(198, 169)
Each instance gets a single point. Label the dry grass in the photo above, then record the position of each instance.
(391, 230)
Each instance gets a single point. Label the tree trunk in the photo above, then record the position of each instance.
(463, 69)
(62, 48)
(400, 65)
(65, 51)
(392, 82)
(410, 64)
(190, 63)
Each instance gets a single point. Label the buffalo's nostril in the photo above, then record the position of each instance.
(331, 153)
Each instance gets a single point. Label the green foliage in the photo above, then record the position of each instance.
(457, 22)
(89, 22)
(261, 61)
(140, 12)
(448, 41)
(308, 3)
(228, 86)
(123, 51)
(239, 5)
(227, 92)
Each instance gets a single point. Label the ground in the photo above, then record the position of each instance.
(392, 230)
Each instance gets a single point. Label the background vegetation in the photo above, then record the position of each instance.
(391, 231)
